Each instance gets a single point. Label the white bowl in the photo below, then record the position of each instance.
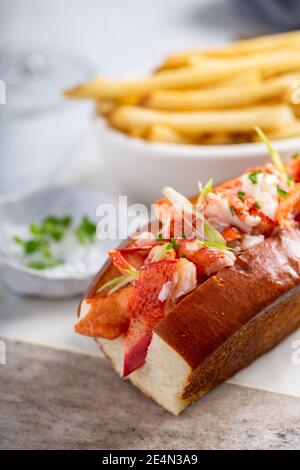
(143, 168)
(24, 209)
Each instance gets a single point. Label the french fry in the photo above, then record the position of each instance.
(105, 107)
(224, 138)
(296, 110)
(139, 132)
(208, 97)
(292, 130)
(195, 123)
(189, 77)
(249, 76)
(100, 89)
(247, 46)
(221, 97)
(159, 133)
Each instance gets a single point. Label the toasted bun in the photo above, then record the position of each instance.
(222, 326)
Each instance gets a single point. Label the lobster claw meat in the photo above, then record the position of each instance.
(145, 310)
(105, 317)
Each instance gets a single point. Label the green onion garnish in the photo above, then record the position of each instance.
(174, 243)
(159, 254)
(118, 282)
(282, 192)
(178, 200)
(215, 245)
(273, 153)
(212, 235)
(205, 191)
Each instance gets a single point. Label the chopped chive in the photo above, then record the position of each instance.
(257, 205)
(290, 180)
(159, 237)
(241, 195)
(282, 192)
(253, 176)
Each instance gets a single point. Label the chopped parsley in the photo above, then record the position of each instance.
(52, 229)
(44, 264)
(86, 230)
(253, 176)
(31, 246)
(51, 226)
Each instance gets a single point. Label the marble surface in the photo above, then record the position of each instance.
(53, 399)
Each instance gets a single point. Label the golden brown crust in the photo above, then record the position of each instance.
(263, 332)
(225, 303)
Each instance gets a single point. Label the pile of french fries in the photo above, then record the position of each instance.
(208, 97)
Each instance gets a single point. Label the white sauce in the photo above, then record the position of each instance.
(80, 260)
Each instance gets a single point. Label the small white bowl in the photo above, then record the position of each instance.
(143, 168)
(33, 207)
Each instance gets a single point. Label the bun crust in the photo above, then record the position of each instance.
(228, 301)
